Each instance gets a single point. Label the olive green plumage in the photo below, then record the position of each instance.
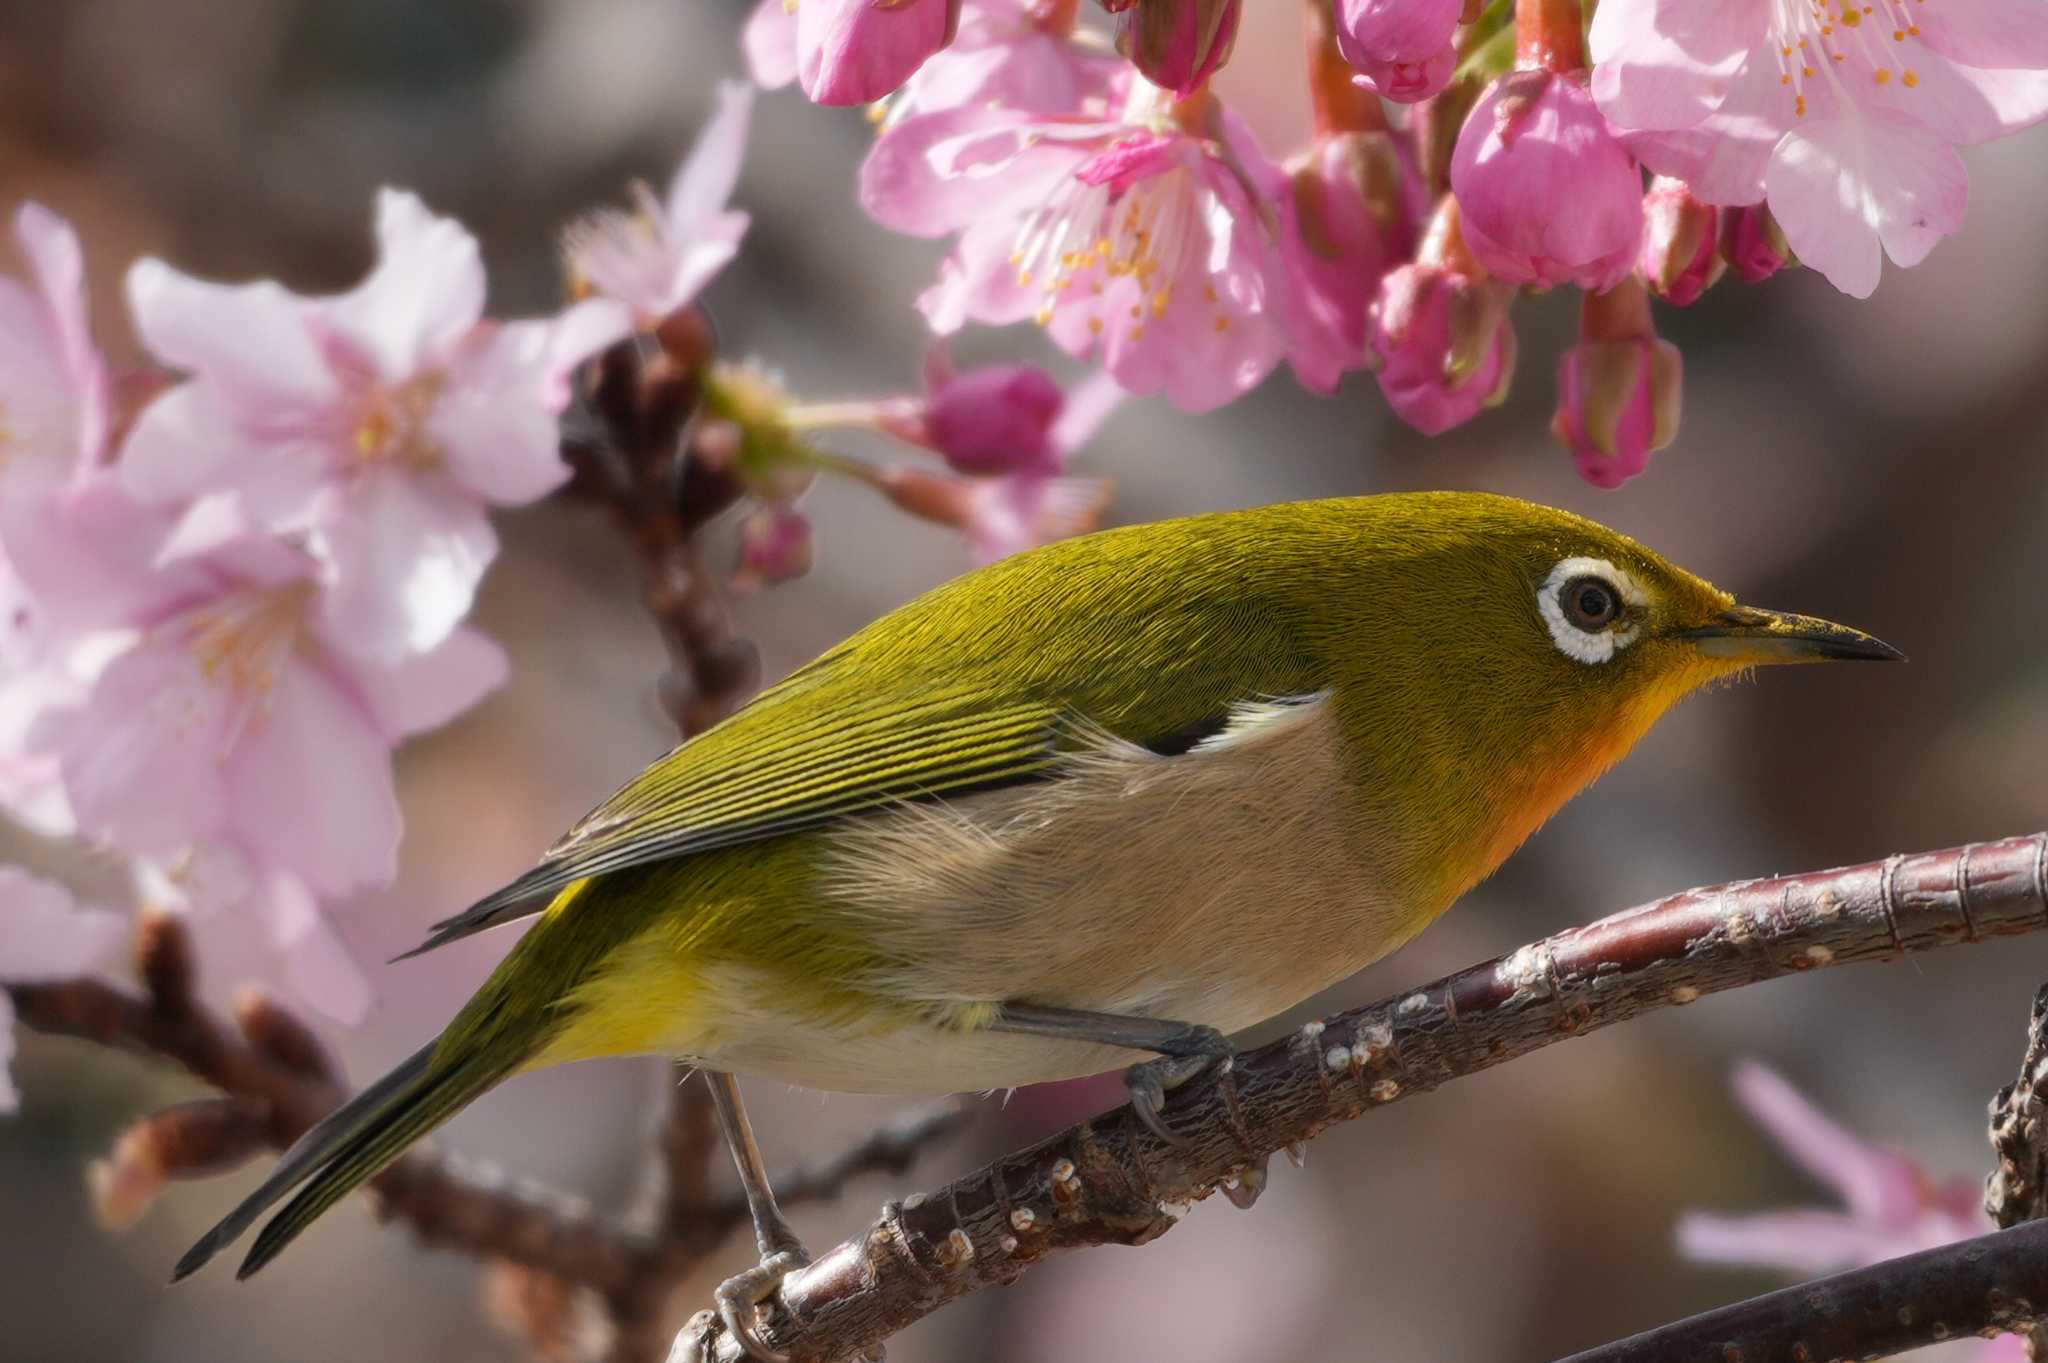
(778, 892)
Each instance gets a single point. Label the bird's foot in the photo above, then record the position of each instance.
(741, 1297)
(1197, 1050)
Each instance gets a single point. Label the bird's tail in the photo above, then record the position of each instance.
(350, 1147)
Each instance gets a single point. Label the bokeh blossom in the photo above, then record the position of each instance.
(657, 258)
(1136, 242)
(53, 384)
(1844, 118)
(378, 425)
(44, 935)
(1890, 1204)
(1349, 217)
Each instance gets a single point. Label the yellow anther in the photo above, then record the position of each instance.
(1910, 79)
(1883, 75)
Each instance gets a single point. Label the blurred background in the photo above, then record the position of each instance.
(1879, 463)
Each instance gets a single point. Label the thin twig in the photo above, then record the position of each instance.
(1111, 1181)
(1994, 1284)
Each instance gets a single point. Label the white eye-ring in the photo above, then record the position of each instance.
(1592, 608)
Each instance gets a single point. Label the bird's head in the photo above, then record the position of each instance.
(1536, 648)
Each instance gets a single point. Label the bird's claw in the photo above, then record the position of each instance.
(1150, 1082)
(741, 1296)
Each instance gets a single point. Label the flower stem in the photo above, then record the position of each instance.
(1620, 314)
(1549, 36)
(813, 416)
(1054, 17)
(1338, 102)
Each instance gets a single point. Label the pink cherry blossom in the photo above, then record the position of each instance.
(1549, 195)
(846, 51)
(377, 425)
(1681, 252)
(1891, 1204)
(1844, 120)
(658, 258)
(256, 923)
(1178, 44)
(44, 935)
(1401, 48)
(1012, 54)
(1351, 216)
(1134, 241)
(235, 716)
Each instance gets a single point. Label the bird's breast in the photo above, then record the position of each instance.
(1219, 886)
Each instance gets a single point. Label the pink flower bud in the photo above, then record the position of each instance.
(1549, 195)
(1681, 255)
(775, 546)
(1443, 344)
(1617, 389)
(996, 419)
(1753, 243)
(857, 51)
(1351, 216)
(1401, 48)
(1178, 44)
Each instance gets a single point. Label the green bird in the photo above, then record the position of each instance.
(1118, 796)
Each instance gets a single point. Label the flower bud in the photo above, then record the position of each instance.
(1681, 255)
(1547, 192)
(1351, 215)
(775, 546)
(1178, 44)
(1443, 345)
(1617, 389)
(996, 419)
(857, 51)
(1753, 243)
(1401, 48)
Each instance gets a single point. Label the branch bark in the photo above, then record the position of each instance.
(1994, 1284)
(1109, 1181)
(2017, 1191)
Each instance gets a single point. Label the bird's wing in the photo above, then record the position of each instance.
(936, 699)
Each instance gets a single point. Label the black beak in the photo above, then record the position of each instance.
(1764, 637)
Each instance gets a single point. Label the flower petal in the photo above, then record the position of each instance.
(54, 255)
(187, 443)
(942, 172)
(424, 295)
(1666, 64)
(1799, 1241)
(1840, 186)
(250, 339)
(44, 935)
(403, 557)
(1870, 1180)
(426, 692)
(317, 966)
(310, 786)
(153, 725)
(705, 180)
(769, 43)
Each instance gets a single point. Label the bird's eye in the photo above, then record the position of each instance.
(1590, 602)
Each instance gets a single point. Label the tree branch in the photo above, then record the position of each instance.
(1991, 1285)
(1109, 1181)
(2017, 1191)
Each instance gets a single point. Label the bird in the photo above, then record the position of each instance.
(1112, 798)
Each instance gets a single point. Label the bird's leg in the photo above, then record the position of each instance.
(1186, 1050)
(782, 1253)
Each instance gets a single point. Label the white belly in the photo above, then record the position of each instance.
(1221, 886)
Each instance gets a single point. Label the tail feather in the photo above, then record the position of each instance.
(306, 1156)
(348, 1148)
(367, 1151)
